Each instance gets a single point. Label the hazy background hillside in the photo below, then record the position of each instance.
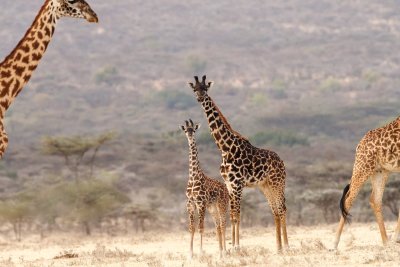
(305, 78)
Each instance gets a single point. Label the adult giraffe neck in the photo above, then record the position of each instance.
(221, 131)
(18, 66)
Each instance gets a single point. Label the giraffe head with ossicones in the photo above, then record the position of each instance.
(75, 9)
(190, 128)
(200, 88)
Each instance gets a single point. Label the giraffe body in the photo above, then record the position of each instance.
(377, 155)
(204, 193)
(18, 66)
(244, 165)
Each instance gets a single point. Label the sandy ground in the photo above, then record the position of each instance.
(309, 246)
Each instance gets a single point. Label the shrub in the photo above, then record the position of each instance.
(279, 138)
(107, 75)
(174, 99)
(330, 84)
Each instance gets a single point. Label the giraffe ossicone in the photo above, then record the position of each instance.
(244, 165)
(204, 193)
(18, 66)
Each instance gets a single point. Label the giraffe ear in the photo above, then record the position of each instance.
(191, 85)
(197, 126)
(209, 84)
(182, 127)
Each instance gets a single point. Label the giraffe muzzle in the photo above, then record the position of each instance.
(91, 16)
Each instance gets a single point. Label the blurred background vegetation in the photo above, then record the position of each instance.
(306, 79)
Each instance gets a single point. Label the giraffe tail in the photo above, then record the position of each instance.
(346, 215)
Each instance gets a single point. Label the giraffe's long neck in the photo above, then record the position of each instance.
(195, 172)
(17, 68)
(220, 129)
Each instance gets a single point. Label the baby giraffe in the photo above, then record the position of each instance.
(204, 193)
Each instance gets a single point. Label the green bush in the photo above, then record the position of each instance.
(107, 75)
(330, 84)
(259, 99)
(174, 99)
(279, 138)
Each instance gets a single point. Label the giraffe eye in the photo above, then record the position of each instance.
(72, 1)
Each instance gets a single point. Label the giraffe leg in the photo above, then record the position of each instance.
(234, 201)
(215, 214)
(235, 197)
(222, 220)
(202, 211)
(397, 231)
(378, 186)
(349, 195)
(278, 208)
(191, 210)
(284, 231)
(233, 231)
(237, 227)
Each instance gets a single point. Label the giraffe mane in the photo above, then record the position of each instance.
(42, 9)
(225, 121)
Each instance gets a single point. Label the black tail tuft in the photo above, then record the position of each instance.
(345, 213)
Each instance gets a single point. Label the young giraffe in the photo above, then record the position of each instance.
(377, 155)
(244, 165)
(18, 66)
(204, 193)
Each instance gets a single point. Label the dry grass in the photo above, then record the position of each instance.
(309, 246)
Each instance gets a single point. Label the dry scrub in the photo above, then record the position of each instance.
(309, 246)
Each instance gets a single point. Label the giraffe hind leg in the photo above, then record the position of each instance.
(397, 231)
(378, 182)
(222, 209)
(349, 195)
(278, 208)
(215, 214)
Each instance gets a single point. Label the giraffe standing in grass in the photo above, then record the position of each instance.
(204, 193)
(18, 66)
(244, 165)
(377, 155)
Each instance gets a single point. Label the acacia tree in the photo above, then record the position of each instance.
(17, 211)
(74, 149)
(326, 201)
(87, 200)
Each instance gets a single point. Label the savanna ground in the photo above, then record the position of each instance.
(309, 246)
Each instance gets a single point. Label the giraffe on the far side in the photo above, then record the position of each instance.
(244, 165)
(18, 66)
(204, 193)
(377, 155)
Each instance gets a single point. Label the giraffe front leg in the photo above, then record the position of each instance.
(202, 212)
(191, 212)
(234, 201)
